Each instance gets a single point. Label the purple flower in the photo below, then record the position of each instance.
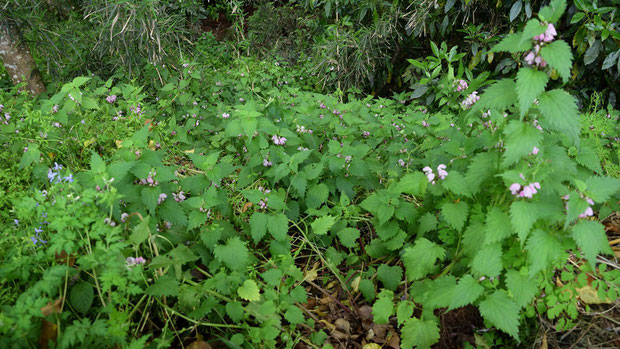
(529, 58)
(57, 167)
(267, 163)
(278, 140)
(161, 198)
(55, 108)
(51, 175)
(425, 124)
(124, 217)
(111, 99)
(69, 178)
(365, 134)
(441, 171)
(535, 151)
(471, 99)
(461, 85)
(429, 174)
(225, 116)
(514, 188)
(16, 221)
(38, 230)
(401, 162)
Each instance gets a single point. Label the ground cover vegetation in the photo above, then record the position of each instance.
(309, 174)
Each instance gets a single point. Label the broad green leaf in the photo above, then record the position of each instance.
(321, 225)
(521, 138)
(497, 226)
(488, 261)
(249, 291)
(502, 312)
(467, 291)
(413, 183)
(500, 95)
(532, 28)
(171, 211)
(441, 292)
(383, 307)
(552, 12)
(559, 111)
(513, 44)
(591, 238)
(542, 249)
(522, 216)
(235, 311)
(600, 189)
(316, 195)
(420, 259)
(576, 205)
(390, 276)
(196, 219)
(96, 163)
(294, 315)
(419, 333)
(457, 183)
(428, 222)
(150, 196)
(530, 84)
(404, 311)
(348, 237)
(278, 226)
(559, 56)
(81, 297)
(258, 225)
(522, 288)
(234, 254)
(140, 232)
(455, 214)
(164, 286)
(588, 156)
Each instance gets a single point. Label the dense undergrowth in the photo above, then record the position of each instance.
(234, 205)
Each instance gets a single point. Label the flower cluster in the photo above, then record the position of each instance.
(524, 191)
(111, 99)
(461, 85)
(534, 151)
(179, 197)
(278, 140)
(441, 172)
(263, 202)
(471, 99)
(53, 174)
(267, 163)
(161, 198)
(36, 239)
(149, 180)
(131, 261)
(225, 116)
(303, 129)
(533, 57)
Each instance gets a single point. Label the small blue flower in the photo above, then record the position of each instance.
(39, 230)
(69, 178)
(34, 240)
(51, 175)
(16, 221)
(57, 166)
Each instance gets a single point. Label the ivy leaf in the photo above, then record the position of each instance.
(258, 225)
(455, 214)
(383, 307)
(420, 259)
(278, 226)
(559, 56)
(521, 138)
(321, 225)
(234, 254)
(164, 286)
(523, 216)
(530, 84)
(502, 312)
(591, 238)
(498, 226)
(488, 261)
(249, 291)
(560, 113)
(522, 288)
(235, 311)
(390, 276)
(542, 248)
(419, 333)
(466, 292)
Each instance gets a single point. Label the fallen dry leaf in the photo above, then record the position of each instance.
(199, 345)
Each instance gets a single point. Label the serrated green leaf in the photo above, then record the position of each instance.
(294, 315)
(542, 248)
(522, 216)
(249, 291)
(497, 226)
(521, 138)
(467, 291)
(591, 238)
(576, 206)
(500, 95)
(419, 333)
(96, 163)
(428, 222)
(164, 286)
(258, 225)
(413, 183)
(559, 111)
(404, 311)
(278, 226)
(171, 211)
(196, 219)
(390, 276)
(488, 261)
(552, 12)
(383, 307)
(559, 56)
(532, 28)
(235, 311)
(441, 292)
(455, 214)
(141, 231)
(316, 195)
(588, 156)
(502, 312)
(512, 43)
(321, 225)
(600, 189)
(530, 84)
(420, 259)
(348, 237)
(150, 195)
(234, 254)
(457, 183)
(522, 288)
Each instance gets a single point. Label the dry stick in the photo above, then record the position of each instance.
(583, 333)
(330, 296)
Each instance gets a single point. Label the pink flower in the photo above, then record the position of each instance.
(529, 58)
(471, 99)
(441, 171)
(550, 33)
(267, 163)
(425, 124)
(461, 85)
(225, 116)
(535, 151)
(514, 188)
(588, 213)
(161, 198)
(278, 140)
(111, 99)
